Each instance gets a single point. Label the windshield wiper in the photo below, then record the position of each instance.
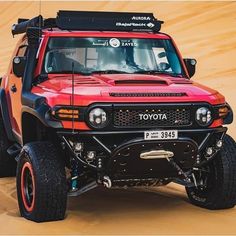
(153, 72)
(109, 72)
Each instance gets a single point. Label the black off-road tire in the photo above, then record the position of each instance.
(7, 163)
(45, 199)
(221, 192)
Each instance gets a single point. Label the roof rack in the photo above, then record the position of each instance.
(91, 20)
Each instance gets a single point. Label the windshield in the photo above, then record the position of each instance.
(111, 55)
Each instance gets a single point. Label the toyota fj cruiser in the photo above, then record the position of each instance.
(104, 98)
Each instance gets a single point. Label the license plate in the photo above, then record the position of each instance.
(161, 135)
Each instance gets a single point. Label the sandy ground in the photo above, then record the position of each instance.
(203, 30)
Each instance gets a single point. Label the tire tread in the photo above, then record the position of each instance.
(51, 188)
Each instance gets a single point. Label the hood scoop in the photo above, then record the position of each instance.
(143, 82)
(148, 94)
(87, 81)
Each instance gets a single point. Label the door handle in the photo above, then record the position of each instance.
(13, 88)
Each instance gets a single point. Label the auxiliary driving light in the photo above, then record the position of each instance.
(91, 155)
(209, 151)
(219, 143)
(98, 117)
(203, 116)
(78, 147)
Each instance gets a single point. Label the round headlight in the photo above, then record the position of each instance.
(203, 116)
(98, 117)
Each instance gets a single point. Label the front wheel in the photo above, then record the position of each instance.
(218, 178)
(41, 183)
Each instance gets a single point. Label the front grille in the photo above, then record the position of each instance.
(161, 117)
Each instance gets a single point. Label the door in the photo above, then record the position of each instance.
(15, 87)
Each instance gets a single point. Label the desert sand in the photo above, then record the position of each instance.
(202, 30)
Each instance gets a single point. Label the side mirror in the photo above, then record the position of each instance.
(18, 66)
(191, 66)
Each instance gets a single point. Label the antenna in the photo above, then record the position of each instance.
(40, 4)
(73, 97)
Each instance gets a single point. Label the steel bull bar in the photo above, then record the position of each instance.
(147, 159)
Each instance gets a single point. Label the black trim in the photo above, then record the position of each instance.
(230, 116)
(5, 115)
(146, 94)
(43, 113)
(92, 133)
(29, 99)
(190, 66)
(109, 108)
(58, 107)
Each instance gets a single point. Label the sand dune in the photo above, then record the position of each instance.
(203, 30)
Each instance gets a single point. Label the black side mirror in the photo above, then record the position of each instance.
(19, 66)
(191, 66)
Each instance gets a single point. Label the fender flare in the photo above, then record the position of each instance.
(42, 113)
(230, 117)
(5, 115)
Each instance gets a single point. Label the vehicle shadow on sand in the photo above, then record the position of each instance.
(108, 201)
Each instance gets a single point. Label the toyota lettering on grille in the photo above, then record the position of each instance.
(146, 116)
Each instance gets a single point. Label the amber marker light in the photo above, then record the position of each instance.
(223, 111)
(66, 114)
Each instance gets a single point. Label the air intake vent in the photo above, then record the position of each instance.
(147, 94)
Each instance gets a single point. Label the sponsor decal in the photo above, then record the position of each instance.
(130, 24)
(114, 42)
(128, 43)
(146, 116)
(150, 25)
(141, 18)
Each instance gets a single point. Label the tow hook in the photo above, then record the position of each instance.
(107, 182)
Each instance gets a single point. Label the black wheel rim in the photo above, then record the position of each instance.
(28, 187)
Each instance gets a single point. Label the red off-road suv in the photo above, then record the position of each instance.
(104, 98)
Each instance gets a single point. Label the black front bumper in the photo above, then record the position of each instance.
(119, 152)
